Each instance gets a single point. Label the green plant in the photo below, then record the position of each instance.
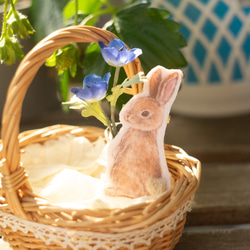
(94, 90)
(15, 26)
(133, 21)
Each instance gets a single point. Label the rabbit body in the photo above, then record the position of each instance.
(136, 158)
(129, 182)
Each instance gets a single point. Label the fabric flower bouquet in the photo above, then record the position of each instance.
(136, 164)
(95, 87)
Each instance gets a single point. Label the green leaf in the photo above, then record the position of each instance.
(94, 63)
(84, 9)
(94, 109)
(138, 78)
(17, 49)
(71, 20)
(90, 6)
(75, 103)
(140, 26)
(116, 92)
(66, 56)
(51, 61)
(69, 10)
(10, 49)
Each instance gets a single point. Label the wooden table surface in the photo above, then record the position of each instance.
(220, 218)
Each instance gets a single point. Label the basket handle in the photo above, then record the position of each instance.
(13, 174)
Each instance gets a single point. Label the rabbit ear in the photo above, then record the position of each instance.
(154, 81)
(162, 84)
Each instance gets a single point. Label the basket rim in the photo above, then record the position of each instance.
(184, 169)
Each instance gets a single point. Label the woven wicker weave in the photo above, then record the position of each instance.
(20, 202)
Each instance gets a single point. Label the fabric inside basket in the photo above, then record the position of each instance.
(70, 171)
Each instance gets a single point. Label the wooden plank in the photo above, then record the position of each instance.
(212, 139)
(215, 238)
(223, 197)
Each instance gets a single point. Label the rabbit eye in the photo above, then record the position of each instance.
(145, 113)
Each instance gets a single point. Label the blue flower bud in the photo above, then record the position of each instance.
(116, 53)
(94, 88)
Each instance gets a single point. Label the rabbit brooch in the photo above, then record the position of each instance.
(136, 158)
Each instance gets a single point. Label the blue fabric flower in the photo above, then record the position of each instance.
(94, 88)
(117, 54)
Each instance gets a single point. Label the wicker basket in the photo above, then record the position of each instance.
(28, 221)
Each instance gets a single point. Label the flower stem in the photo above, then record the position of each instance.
(12, 4)
(113, 104)
(108, 123)
(13, 10)
(76, 12)
(113, 125)
(104, 118)
(117, 71)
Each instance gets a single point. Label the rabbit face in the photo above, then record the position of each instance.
(143, 113)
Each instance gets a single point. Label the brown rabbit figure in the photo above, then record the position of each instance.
(136, 159)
